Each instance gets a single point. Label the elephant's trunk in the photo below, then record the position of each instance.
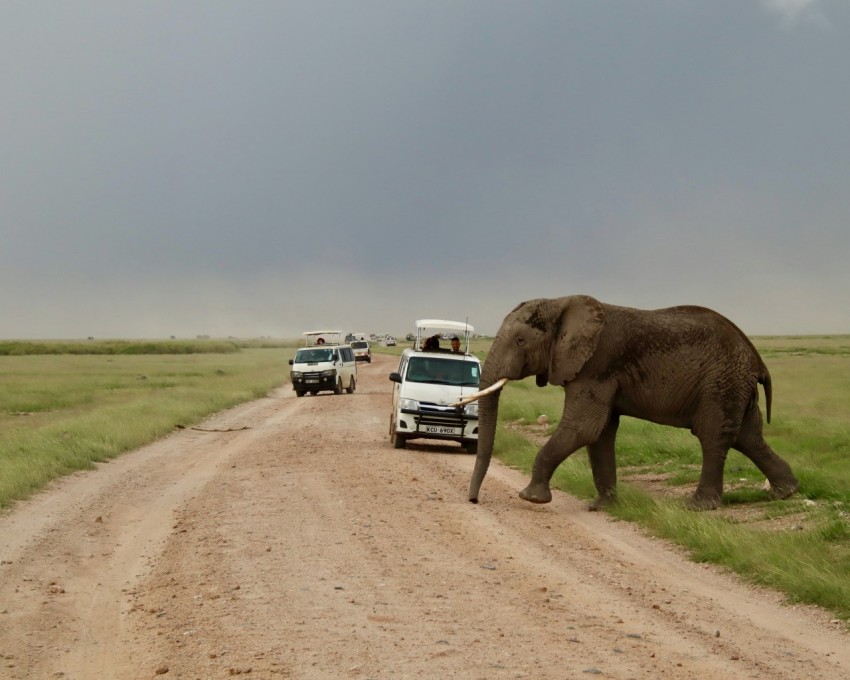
(488, 411)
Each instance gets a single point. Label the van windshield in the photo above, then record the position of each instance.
(312, 355)
(443, 371)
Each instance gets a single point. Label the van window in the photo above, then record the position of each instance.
(347, 354)
(312, 355)
(443, 371)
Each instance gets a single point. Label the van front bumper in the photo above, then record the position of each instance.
(435, 422)
(307, 382)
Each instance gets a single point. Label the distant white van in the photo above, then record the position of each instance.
(427, 383)
(323, 365)
(362, 350)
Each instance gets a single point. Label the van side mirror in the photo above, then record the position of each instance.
(291, 362)
(395, 377)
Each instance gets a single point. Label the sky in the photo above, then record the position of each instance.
(262, 168)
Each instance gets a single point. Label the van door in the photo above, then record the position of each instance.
(348, 369)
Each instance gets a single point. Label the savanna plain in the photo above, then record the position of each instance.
(171, 509)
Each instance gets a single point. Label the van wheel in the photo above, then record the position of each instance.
(471, 446)
(299, 393)
(351, 385)
(398, 440)
(338, 386)
(314, 392)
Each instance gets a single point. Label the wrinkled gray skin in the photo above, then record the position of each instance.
(683, 366)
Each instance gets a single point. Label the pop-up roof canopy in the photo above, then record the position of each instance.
(428, 327)
(322, 337)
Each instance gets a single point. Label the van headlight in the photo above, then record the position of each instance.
(408, 404)
(471, 409)
(296, 375)
(330, 373)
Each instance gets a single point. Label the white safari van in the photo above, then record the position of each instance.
(431, 376)
(323, 364)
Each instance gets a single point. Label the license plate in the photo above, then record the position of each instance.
(311, 381)
(440, 429)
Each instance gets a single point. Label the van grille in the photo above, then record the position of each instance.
(447, 416)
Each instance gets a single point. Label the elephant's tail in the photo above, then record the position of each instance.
(763, 375)
(764, 379)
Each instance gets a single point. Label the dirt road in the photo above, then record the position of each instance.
(306, 547)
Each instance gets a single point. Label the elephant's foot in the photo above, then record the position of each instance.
(602, 501)
(782, 490)
(701, 502)
(536, 493)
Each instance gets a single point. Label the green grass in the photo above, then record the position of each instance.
(26, 348)
(65, 412)
(800, 546)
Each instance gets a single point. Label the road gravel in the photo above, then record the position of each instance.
(286, 538)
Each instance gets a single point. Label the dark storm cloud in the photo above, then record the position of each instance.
(172, 167)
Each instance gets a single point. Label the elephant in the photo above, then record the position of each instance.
(683, 366)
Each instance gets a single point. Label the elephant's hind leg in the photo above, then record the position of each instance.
(709, 492)
(717, 425)
(751, 443)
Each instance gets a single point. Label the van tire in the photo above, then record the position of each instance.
(299, 393)
(351, 385)
(398, 440)
(338, 386)
(471, 446)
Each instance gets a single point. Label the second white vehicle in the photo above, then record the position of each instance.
(429, 381)
(323, 366)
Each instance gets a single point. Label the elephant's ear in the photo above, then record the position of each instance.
(576, 336)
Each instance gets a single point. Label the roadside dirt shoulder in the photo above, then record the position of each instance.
(306, 547)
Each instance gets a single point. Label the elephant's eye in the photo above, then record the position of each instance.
(520, 341)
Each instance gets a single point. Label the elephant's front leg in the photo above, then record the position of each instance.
(582, 424)
(554, 452)
(603, 464)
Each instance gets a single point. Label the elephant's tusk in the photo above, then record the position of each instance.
(475, 396)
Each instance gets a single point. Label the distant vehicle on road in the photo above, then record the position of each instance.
(323, 365)
(362, 350)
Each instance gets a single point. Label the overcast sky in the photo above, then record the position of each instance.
(268, 167)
